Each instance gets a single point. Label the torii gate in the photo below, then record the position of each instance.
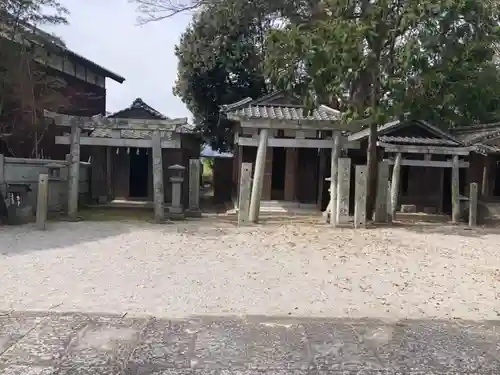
(159, 129)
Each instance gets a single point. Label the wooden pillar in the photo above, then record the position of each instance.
(485, 178)
(267, 182)
(158, 195)
(3, 191)
(473, 193)
(334, 178)
(396, 176)
(258, 178)
(74, 173)
(291, 174)
(455, 190)
(109, 178)
(360, 197)
(244, 196)
(42, 201)
(343, 189)
(381, 214)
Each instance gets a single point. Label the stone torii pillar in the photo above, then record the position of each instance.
(158, 190)
(74, 172)
(258, 179)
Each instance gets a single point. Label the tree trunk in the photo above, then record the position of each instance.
(371, 166)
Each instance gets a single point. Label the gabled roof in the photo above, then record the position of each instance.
(477, 133)
(269, 107)
(389, 127)
(139, 104)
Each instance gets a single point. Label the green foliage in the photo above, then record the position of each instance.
(432, 58)
(221, 57)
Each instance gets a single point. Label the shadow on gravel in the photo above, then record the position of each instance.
(63, 344)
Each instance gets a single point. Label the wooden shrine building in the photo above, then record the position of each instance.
(288, 149)
(120, 146)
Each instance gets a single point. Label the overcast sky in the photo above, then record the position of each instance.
(106, 32)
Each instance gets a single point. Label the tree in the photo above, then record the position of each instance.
(26, 88)
(386, 57)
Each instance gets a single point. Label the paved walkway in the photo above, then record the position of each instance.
(63, 344)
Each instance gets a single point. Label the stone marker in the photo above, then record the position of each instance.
(380, 215)
(244, 197)
(360, 197)
(158, 192)
(473, 204)
(194, 188)
(42, 201)
(343, 189)
(176, 210)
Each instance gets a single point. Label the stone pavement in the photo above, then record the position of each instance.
(53, 343)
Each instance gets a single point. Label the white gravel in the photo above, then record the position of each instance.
(214, 268)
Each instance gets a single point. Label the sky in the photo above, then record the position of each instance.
(107, 32)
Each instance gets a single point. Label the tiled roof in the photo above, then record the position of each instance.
(140, 104)
(480, 135)
(282, 112)
(418, 141)
(141, 134)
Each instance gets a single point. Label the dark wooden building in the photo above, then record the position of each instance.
(79, 82)
(121, 159)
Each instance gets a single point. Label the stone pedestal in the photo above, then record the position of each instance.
(176, 211)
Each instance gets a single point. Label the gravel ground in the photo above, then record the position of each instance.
(215, 268)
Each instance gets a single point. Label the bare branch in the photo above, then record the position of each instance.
(157, 10)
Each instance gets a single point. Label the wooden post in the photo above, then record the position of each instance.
(258, 178)
(396, 176)
(2, 176)
(244, 193)
(486, 172)
(334, 177)
(74, 173)
(360, 197)
(158, 194)
(455, 190)
(343, 189)
(473, 202)
(381, 197)
(42, 201)
(109, 180)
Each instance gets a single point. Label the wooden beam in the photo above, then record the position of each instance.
(297, 143)
(100, 121)
(118, 142)
(428, 163)
(412, 149)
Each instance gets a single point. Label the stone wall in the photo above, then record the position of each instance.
(18, 171)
